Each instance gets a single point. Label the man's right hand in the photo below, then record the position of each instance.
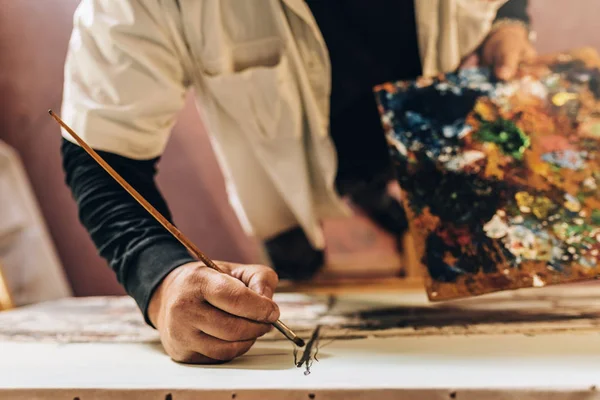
(206, 317)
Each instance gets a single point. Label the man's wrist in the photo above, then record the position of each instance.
(513, 22)
(151, 266)
(155, 301)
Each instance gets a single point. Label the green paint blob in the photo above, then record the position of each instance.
(596, 217)
(581, 196)
(507, 135)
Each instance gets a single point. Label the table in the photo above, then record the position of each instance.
(529, 344)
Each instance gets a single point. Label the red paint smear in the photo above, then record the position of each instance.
(452, 237)
(554, 143)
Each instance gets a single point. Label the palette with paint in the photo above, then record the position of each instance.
(501, 179)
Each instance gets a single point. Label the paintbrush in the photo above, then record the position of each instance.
(280, 326)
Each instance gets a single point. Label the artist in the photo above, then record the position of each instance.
(285, 87)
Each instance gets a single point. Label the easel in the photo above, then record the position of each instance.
(6, 302)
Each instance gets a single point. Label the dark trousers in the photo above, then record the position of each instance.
(364, 171)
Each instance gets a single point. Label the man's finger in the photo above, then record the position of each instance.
(259, 278)
(232, 296)
(506, 60)
(471, 61)
(227, 327)
(529, 53)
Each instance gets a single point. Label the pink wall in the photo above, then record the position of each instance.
(33, 43)
(564, 24)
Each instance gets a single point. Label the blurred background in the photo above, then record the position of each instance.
(33, 42)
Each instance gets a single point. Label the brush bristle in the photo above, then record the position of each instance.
(299, 342)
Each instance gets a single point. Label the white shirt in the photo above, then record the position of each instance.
(261, 73)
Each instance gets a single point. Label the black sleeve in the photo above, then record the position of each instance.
(514, 9)
(138, 249)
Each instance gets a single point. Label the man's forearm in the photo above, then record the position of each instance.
(138, 249)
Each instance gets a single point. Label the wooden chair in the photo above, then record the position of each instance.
(6, 300)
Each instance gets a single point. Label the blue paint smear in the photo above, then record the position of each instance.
(569, 159)
(432, 118)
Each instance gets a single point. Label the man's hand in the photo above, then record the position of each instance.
(507, 47)
(206, 317)
(504, 49)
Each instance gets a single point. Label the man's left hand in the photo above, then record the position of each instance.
(504, 49)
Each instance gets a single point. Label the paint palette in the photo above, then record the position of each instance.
(501, 179)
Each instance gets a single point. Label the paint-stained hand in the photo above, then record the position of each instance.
(504, 49)
(206, 317)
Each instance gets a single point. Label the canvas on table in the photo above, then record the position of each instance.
(501, 179)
